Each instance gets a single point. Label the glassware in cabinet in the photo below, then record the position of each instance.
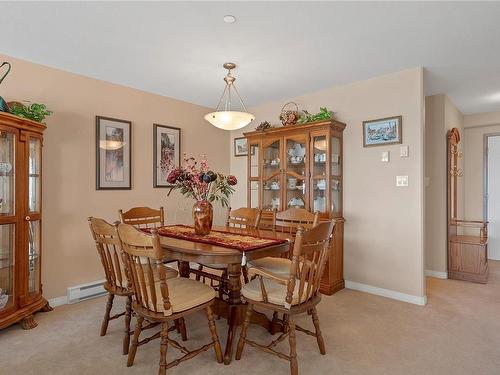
(271, 175)
(34, 176)
(296, 171)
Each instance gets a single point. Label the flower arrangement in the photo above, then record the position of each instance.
(196, 180)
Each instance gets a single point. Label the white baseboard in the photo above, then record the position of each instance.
(417, 300)
(436, 274)
(58, 301)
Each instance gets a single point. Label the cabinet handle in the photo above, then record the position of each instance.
(27, 218)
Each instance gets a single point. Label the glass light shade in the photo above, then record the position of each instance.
(111, 145)
(229, 120)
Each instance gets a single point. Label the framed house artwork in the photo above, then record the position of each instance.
(241, 147)
(166, 153)
(384, 131)
(113, 154)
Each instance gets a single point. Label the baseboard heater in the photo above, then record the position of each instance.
(86, 291)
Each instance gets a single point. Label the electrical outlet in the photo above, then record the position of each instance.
(401, 180)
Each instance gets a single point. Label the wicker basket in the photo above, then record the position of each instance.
(288, 115)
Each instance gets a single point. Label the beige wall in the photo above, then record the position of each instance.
(384, 223)
(477, 126)
(69, 194)
(441, 115)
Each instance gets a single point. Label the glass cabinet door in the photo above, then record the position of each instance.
(33, 217)
(7, 240)
(7, 173)
(319, 172)
(253, 175)
(7, 218)
(336, 176)
(271, 174)
(296, 171)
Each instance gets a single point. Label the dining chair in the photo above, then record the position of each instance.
(245, 218)
(163, 300)
(293, 294)
(116, 284)
(287, 222)
(108, 247)
(143, 217)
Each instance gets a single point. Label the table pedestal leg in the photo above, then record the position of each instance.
(234, 300)
(183, 269)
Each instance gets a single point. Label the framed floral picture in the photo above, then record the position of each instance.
(384, 131)
(113, 154)
(166, 153)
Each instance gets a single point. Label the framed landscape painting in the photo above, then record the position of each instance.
(241, 147)
(384, 131)
(113, 154)
(166, 153)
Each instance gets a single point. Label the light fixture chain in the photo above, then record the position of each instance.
(221, 98)
(241, 100)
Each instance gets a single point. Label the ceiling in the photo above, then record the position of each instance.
(282, 49)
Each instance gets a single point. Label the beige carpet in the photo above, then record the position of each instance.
(458, 332)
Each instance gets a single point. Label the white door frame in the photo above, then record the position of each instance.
(485, 172)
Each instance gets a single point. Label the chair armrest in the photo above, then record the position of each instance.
(478, 224)
(255, 271)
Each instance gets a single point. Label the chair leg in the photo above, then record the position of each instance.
(182, 327)
(213, 331)
(128, 314)
(163, 349)
(294, 366)
(222, 284)
(243, 334)
(244, 270)
(198, 276)
(319, 336)
(135, 341)
(105, 322)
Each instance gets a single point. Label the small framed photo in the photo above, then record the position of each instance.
(166, 153)
(241, 147)
(113, 154)
(384, 131)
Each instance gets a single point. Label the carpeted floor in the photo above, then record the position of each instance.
(458, 332)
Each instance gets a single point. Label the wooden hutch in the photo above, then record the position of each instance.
(301, 166)
(20, 221)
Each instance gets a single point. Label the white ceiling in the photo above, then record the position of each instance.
(282, 49)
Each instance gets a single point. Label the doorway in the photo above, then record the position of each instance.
(492, 193)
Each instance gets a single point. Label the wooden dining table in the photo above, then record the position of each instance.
(185, 251)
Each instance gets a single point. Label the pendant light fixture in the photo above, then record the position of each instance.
(224, 117)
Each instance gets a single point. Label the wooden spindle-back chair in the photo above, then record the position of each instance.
(143, 217)
(108, 247)
(287, 222)
(164, 300)
(245, 218)
(295, 294)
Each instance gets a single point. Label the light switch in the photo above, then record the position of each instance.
(401, 180)
(403, 151)
(385, 156)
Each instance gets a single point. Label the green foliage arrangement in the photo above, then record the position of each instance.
(323, 114)
(33, 111)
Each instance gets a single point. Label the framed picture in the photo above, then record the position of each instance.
(113, 154)
(384, 131)
(166, 153)
(241, 147)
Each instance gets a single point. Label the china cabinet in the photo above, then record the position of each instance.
(301, 166)
(20, 221)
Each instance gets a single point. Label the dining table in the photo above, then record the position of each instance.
(186, 250)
